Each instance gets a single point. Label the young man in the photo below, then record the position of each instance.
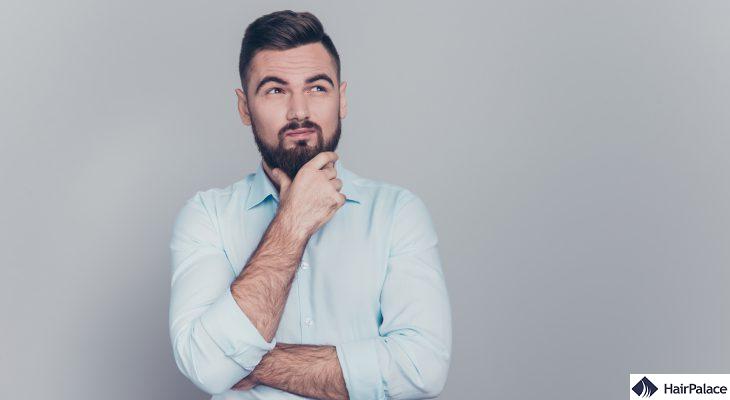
(303, 278)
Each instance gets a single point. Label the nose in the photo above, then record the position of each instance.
(298, 108)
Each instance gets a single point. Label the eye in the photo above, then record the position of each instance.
(274, 88)
(321, 87)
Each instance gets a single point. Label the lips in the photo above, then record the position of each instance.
(299, 133)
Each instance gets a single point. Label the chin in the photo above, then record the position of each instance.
(301, 143)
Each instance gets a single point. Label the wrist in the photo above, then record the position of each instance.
(254, 377)
(286, 225)
(258, 375)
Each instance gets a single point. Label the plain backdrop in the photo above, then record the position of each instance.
(574, 156)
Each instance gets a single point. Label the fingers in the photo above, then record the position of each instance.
(321, 159)
(329, 171)
(341, 200)
(337, 183)
(281, 178)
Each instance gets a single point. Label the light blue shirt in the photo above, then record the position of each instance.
(370, 283)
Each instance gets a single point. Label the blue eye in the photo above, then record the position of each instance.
(321, 87)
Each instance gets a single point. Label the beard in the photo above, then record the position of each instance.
(291, 160)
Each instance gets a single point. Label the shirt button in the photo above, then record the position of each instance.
(305, 265)
(308, 321)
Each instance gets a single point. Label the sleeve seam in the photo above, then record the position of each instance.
(394, 220)
(219, 244)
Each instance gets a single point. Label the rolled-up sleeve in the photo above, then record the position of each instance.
(213, 341)
(410, 359)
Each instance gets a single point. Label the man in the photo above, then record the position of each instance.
(305, 280)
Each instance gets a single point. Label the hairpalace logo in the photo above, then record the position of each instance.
(644, 388)
(679, 386)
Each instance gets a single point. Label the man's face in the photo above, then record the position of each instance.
(289, 90)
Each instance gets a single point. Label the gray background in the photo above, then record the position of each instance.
(573, 154)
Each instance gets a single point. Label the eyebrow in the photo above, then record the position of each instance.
(271, 78)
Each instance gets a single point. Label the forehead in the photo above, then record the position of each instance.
(294, 64)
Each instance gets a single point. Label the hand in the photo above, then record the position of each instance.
(246, 383)
(309, 201)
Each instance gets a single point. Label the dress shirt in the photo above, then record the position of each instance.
(369, 283)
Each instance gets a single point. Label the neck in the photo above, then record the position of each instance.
(269, 174)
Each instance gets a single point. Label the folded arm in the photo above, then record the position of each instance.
(410, 359)
(307, 370)
(411, 356)
(221, 325)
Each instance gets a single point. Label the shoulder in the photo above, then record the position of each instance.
(216, 198)
(204, 206)
(409, 220)
(411, 227)
(385, 195)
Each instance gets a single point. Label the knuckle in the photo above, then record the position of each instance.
(334, 202)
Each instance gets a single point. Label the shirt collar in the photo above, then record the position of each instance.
(262, 187)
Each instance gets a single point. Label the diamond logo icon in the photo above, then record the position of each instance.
(644, 388)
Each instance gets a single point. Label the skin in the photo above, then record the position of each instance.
(307, 202)
(274, 105)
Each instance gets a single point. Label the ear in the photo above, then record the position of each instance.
(343, 99)
(243, 110)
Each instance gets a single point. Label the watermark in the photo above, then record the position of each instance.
(679, 386)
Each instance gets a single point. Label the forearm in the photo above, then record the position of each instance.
(306, 370)
(263, 286)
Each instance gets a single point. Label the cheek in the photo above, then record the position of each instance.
(271, 111)
(325, 104)
(326, 112)
(269, 120)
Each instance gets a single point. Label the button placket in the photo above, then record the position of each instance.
(305, 304)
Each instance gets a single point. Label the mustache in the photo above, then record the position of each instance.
(306, 124)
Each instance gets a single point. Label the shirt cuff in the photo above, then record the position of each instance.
(234, 333)
(361, 370)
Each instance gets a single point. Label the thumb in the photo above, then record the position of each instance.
(282, 179)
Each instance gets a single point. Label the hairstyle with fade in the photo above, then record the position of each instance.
(282, 30)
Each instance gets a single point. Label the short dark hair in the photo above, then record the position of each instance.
(282, 30)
